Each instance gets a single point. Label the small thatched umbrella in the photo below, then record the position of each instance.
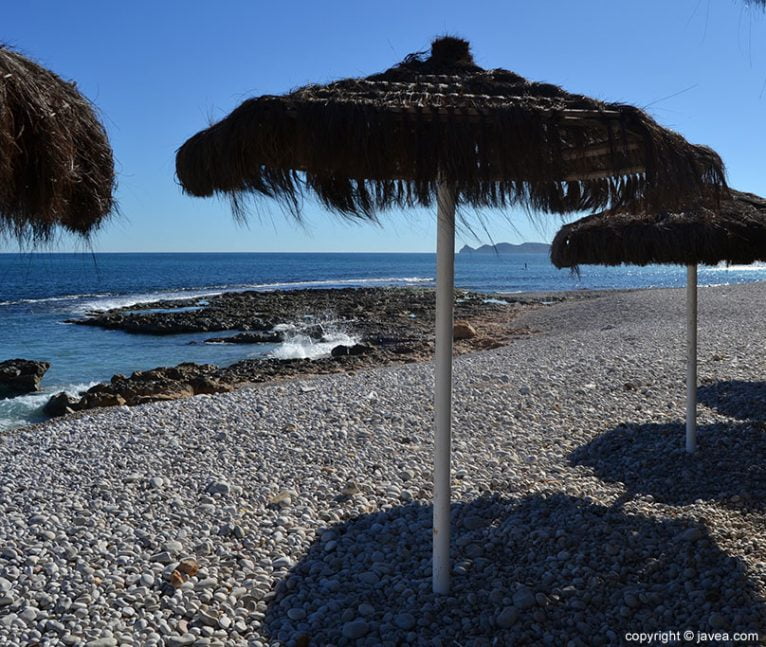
(439, 129)
(733, 232)
(56, 167)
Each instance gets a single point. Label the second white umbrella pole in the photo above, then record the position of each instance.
(445, 297)
(691, 358)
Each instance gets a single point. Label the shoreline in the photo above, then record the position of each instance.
(245, 373)
(353, 328)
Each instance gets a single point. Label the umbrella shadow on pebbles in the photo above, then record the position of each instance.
(537, 570)
(736, 399)
(650, 459)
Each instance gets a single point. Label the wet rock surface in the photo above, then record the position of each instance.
(394, 325)
(356, 349)
(372, 312)
(19, 376)
(249, 338)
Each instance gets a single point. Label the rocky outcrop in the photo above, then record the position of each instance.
(463, 330)
(186, 380)
(372, 312)
(356, 349)
(315, 332)
(507, 248)
(20, 376)
(393, 324)
(162, 383)
(60, 404)
(172, 323)
(159, 384)
(249, 338)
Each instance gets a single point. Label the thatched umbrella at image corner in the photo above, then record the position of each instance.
(731, 232)
(438, 129)
(56, 165)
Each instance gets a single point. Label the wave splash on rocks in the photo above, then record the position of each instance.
(297, 332)
(297, 344)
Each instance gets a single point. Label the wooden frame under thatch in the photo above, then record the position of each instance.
(56, 166)
(734, 232)
(362, 145)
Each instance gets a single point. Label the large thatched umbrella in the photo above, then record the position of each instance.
(439, 129)
(56, 167)
(733, 232)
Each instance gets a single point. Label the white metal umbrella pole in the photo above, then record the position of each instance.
(691, 358)
(445, 296)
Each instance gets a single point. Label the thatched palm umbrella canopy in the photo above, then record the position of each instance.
(732, 232)
(56, 167)
(384, 141)
(438, 128)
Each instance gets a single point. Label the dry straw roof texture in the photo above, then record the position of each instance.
(735, 232)
(56, 167)
(366, 144)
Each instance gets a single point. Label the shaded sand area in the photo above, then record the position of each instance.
(298, 513)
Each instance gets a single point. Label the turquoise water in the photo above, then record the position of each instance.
(39, 291)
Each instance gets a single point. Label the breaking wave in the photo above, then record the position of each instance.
(30, 407)
(298, 345)
(84, 303)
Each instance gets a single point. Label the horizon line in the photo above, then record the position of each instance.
(91, 252)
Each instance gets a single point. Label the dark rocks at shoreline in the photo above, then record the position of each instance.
(20, 376)
(60, 404)
(249, 338)
(315, 332)
(189, 379)
(393, 325)
(172, 323)
(356, 349)
(403, 312)
(463, 330)
(158, 384)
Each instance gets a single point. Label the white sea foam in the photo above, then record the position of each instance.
(103, 304)
(30, 407)
(109, 301)
(302, 346)
(64, 297)
(722, 267)
(341, 282)
(98, 302)
(298, 345)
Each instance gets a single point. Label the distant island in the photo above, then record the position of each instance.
(507, 248)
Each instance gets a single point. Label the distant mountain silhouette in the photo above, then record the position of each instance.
(507, 248)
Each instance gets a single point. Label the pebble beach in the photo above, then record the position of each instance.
(299, 513)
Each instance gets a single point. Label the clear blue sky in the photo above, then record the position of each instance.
(160, 70)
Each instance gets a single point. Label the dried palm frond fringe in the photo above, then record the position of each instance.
(363, 145)
(56, 166)
(734, 232)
